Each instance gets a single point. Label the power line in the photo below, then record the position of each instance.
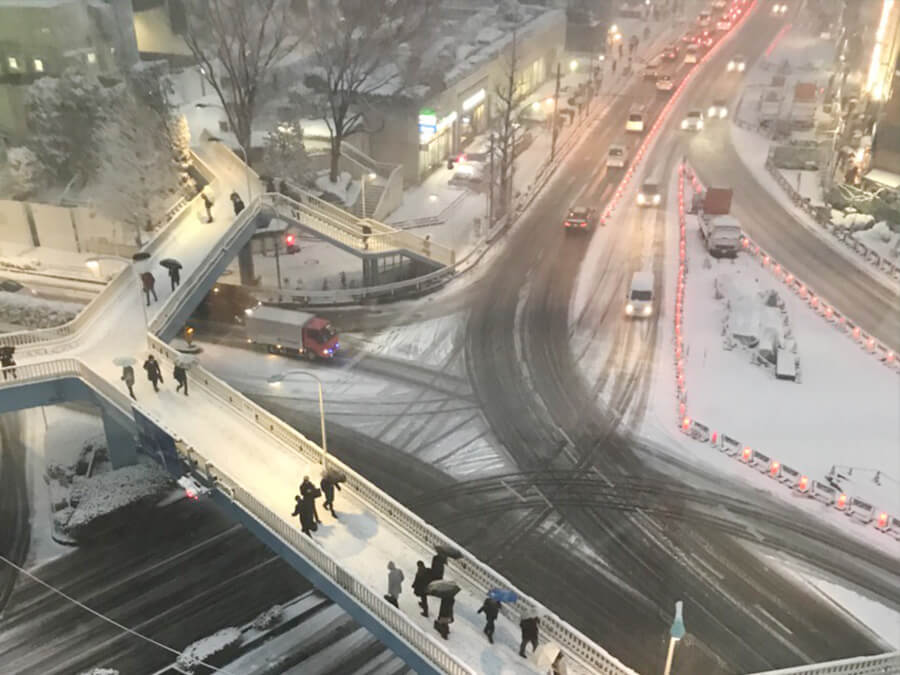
(105, 618)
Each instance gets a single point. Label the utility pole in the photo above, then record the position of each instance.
(555, 112)
(491, 186)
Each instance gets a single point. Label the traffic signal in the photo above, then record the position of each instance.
(289, 239)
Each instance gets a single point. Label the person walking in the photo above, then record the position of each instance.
(8, 363)
(237, 202)
(491, 609)
(395, 580)
(558, 667)
(437, 566)
(175, 276)
(529, 627)
(366, 230)
(148, 281)
(270, 184)
(128, 379)
(310, 492)
(445, 616)
(303, 509)
(180, 376)
(328, 485)
(154, 374)
(207, 203)
(420, 585)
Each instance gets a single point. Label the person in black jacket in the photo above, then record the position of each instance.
(302, 508)
(154, 374)
(437, 566)
(180, 375)
(420, 585)
(328, 486)
(445, 616)
(310, 493)
(491, 609)
(529, 628)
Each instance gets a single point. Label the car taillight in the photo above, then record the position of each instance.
(584, 224)
(568, 224)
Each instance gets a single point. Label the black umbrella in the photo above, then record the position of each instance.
(335, 475)
(443, 588)
(171, 263)
(448, 551)
(140, 256)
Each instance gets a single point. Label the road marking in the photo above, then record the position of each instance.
(707, 567)
(774, 620)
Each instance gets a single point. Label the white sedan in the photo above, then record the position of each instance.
(617, 157)
(665, 83)
(693, 121)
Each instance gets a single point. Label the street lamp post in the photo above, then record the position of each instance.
(278, 378)
(676, 632)
(243, 149)
(362, 186)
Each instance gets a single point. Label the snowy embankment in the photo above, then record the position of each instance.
(838, 423)
(33, 312)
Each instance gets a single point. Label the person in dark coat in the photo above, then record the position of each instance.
(420, 585)
(270, 184)
(366, 230)
(154, 374)
(307, 522)
(175, 276)
(437, 566)
(395, 580)
(128, 379)
(529, 626)
(148, 282)
(328, 486)
(445, 616)
(310, 492)
(180, 375)
(208, 204)
(237, 202)
(491, 609)
(8, 363)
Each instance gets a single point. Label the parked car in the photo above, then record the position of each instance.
(13, 286)
(693, 121)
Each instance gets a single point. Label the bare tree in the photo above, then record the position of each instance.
(359, 48)
(509, 96)
(237, 43)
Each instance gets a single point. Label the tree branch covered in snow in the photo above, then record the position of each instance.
(284, 155)
(358, 48)
(237, 43)
(509, 96)
(24, 173)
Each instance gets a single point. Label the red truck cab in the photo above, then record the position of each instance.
(320, 338)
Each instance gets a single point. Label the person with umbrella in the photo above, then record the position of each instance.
(395, 581)
(438, 561)
(174, 269)
(331, 480)
(420, 586)
(491, 609)
(446, 591)
(529, 626)
(180, 375)
(154, 374)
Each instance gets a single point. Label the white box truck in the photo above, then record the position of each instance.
(285, 331)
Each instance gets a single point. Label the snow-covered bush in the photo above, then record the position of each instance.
(25, 172)
(852, 221)
(107, 501)
(100, 671)
(271, 617)
(31, 312)
(883, 231)
(510, 10)
(216, 644)
(180, 134)
(284, 154)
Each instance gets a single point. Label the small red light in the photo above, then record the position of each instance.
(773, 469)
(803, 482)
(882, 519)
(190, 494)
(842, 501)
(686, 423)
(289, 239)
(747, 454)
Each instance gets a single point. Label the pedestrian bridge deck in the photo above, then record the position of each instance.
(259, 461)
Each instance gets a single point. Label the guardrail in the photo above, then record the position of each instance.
(469, 570)
(883, 664)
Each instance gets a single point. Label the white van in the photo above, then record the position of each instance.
(639, 302)
(691, 53)
(635, 119)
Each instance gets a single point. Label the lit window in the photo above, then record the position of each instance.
(38, 66)
(13, 62)
(91, 57)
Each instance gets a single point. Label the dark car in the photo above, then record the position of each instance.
(671, 53)
(580, 218)
(226, 303)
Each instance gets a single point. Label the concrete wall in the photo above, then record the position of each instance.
(14, 223)
(54, 227)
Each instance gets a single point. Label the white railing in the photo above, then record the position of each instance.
(469, 571)
(883, 664)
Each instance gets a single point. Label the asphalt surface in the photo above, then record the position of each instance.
(179, 574)
(15, 524)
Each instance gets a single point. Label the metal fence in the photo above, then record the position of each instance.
(883, 664)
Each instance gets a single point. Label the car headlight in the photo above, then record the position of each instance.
(699, 124)
(656, 199)
(723, 113)
(641, 199)
(684, 124)
(629, 309)
(647, 310)
(730, 66)
(712, 111)
(741, 67)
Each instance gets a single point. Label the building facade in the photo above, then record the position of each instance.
(423, 132)
(41, 38)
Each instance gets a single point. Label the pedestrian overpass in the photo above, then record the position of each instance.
(253, 461)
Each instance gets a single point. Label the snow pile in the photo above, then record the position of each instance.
(104, 502)
(20, 264)
(852, 221)
(100, 671)
(271, 617)
(31, 312)
(342, 190)
(214, 645)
